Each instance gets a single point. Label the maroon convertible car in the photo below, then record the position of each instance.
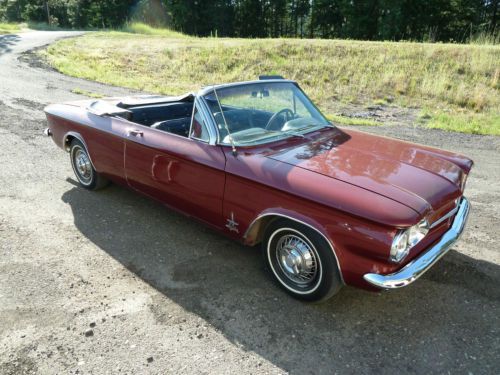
(260, 163)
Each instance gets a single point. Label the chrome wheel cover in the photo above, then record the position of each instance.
(82, 165)
(297, 260)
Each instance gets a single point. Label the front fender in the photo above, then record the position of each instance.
(255, 230)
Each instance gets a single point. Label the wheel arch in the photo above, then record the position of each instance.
(68, 138)
(255, 231)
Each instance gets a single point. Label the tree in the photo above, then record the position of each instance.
(445, 20)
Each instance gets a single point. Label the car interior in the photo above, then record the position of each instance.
(170, 117)
(244, 124)
(175, 118)
(249, 114)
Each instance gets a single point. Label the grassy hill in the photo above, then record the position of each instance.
(454, 87)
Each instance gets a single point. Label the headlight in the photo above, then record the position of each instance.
(417, 232)
(406, 239)
(399, 248)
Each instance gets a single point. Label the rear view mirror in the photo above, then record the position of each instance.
(260, 94)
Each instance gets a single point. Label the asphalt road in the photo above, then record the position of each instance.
(111, 282)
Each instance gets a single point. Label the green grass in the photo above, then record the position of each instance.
(9, 28)
(466, 123)
(485, 38)
(141, 28)
(43, 26)
(457, 84)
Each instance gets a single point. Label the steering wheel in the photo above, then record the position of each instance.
(286, 112)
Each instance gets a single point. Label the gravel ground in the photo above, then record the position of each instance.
(111, 282)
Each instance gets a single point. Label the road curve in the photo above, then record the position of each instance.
(111, 282)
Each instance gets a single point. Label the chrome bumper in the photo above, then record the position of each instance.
(47, 132)
(417, 267)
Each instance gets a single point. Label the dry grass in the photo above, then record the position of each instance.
(340, 119)
(457, 84)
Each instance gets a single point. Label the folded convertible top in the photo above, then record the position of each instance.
(140, 100)
(119, 106)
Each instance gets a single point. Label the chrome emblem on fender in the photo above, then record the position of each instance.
(231, 224)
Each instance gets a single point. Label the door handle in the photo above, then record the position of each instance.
(135, 133)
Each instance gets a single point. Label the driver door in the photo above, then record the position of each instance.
(185, 173)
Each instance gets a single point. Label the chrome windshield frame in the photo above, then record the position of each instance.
(207, 89)
(202, 106)
(200, 96)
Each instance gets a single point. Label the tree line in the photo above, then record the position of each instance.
(434, 20)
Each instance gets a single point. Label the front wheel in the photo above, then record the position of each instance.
(83, 168)
(301, 261)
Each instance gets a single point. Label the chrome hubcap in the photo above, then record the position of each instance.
(296, 259)
(83, 166)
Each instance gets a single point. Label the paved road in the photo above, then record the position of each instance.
(154, 285)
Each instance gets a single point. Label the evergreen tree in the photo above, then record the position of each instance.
(443, 20)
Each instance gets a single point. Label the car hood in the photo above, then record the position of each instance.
(419, 177)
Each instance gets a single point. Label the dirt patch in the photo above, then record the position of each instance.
(30, 104)
(34, 60)
(20, 364)
(385, 114)
(26, 127)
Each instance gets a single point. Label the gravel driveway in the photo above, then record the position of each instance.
(111, 282)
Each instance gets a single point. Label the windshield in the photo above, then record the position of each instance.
(262, 112)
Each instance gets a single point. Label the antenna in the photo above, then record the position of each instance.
(230, 137)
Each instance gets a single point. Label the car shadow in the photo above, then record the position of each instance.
(7, 41)
(427, 325)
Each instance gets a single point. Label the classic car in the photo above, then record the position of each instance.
(260, 163)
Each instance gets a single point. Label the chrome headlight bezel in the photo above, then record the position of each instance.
(406, 239)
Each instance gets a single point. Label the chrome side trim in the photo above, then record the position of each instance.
(303, 223)
(417, 267)
(80, 138)
(443, 218)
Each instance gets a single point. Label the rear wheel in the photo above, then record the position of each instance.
(83, 168)
(301, 261)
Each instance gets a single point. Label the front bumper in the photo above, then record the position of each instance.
(417, 267)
